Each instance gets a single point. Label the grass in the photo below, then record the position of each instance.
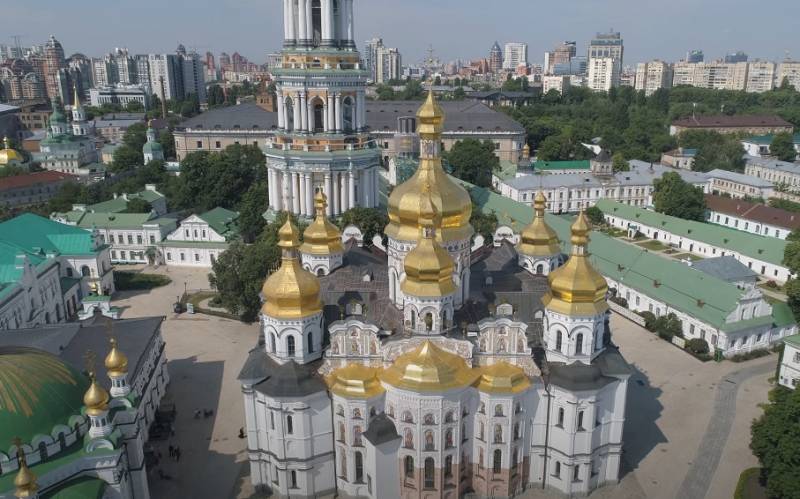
(652, 245)
(691, 257)
(136, 281)
(196, 298)
(772, 287)
(749, 485)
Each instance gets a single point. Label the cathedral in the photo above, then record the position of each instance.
(433, 366)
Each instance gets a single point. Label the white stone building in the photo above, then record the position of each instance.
(603, 73)
(789, 374)
(778, 172)
(738, 185)
(199, 240)
(653, 75)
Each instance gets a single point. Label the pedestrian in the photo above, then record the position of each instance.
(171, 450)
(178, 455)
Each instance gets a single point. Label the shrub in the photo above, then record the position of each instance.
(622, 302)
(133, 281)
(668, 326)
(649, 321)
(697, 346)
(754, 354)
(772, 285)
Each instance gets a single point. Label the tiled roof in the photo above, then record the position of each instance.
(36, 178)
(756, 212)
(766, 249)
(737, 121)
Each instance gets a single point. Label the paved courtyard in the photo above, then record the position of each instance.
(687, 433)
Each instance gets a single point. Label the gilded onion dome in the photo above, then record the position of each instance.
(538, 239)
(116, 362)
(321, 237)
(96, 398)
(502, 377)
(355, 381)
(291, 292)
(25, 480)
(428, 267)
(428, 368)
(576, 288)
(451, 200)
(7, 154)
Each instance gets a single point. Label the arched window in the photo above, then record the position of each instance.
(409, 466)
(497, 461)
(516, 431)
(319, 116)
(559, 340)
(347, 114)
(356, 413)
(290, 346)
(310, 340)
(448, 417)
(359, 467)
(579, 344)
(341, 432)
(289, 425)
(294, 479)
(448, 466)
(482, 408)
(407, 418)
(428, 419)
(85, 271)
(316, 26)
(557, 472)
(429, 472)
(560, 417)
(272, 343)
(357, 436)
(429, 322)
(343, 465)
(289, 114)
(498, 410)
(480, 430)
(540, 269)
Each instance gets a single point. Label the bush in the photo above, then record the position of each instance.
(622, 302)
(134, 281)
(697, 346)
(668, 326)
(649, 321)
(772, 285)
(754, 354)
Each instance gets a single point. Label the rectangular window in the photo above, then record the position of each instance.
(152, 239)
(183, 257)
(797, 357)
(200, 146)
(121, 255)
(218, 145)
(130, 239)
(138, 239)
(169, 256)
(113, 254)
(197, 257)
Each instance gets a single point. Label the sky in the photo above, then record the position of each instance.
(465, 29)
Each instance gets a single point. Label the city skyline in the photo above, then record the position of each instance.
(260, 32)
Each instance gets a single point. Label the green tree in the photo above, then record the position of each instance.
(167, 141)
(595, 215)
(70, 193)
(473, 161)
(134, 106)
(251, 209)
(714, 150)
(782, 147)
(675, 197)
(385, 92)
(137, 205)
(368, 220)
(776, 443)
(668, 326)
(792, 289)
(619, 164)
(126, 158)
(484, 224)
(459, 94)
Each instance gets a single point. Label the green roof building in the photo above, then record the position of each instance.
(200, 239)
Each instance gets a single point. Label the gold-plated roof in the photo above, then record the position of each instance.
(7, 155)
(76, 100)
(116, 362)
(502, 377)
(538, 238)
(428, 267)
(25, 480)
(321, 237)
(450, 199)
(291, 292)
(96, 398)
(355, 381)
(428, 368)
(576, 288)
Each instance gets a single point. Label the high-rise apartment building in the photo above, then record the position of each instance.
(166, 76)
(653, 75)
(515, 54)
(790, 71)
(607, 45)
(53, 61)
(370, 55)
(389, 64)
(142, 69)
(495, 58)
(125, 66)
(694, 56)
(604, 73)
(735, 57)
(104, 71)
(194, 81)
(760, 76)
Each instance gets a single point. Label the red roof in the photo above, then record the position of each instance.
(37, 178)
(760, 213)
(724, 121)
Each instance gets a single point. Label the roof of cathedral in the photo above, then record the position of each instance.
(381, 430)
(290, 380)
(606, 368)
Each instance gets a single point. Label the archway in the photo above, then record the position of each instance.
(347, 114)
(289, 114)
(318, 115)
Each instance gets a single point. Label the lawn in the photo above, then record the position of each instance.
(684, 256)
(652, 245)
(749, 486)
(773, 287)
(136, 281)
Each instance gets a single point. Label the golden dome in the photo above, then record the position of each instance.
(355, 381)
(428, 368)
(451, 200)
(116, 362)
(291, 292)
(576, 288)
(25, 481)
(321, 237)
(96, 398)
(428, 267)
(538, 239)
(7, 155)
(502, 377)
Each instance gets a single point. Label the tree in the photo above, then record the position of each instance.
(459, 94)
(595, 215)
(167, 141)
(137, 205)
(134, 106)
(126, 158)
(473, 161)
(619, 164)
(368, 220)
(791, 256)
(782, 147)
(668, 326)
(776, 443)
(251, 209)
(714, 150)
(70, 193)
(792, 289)
(384, 92)
(484, 224)
(675, 197)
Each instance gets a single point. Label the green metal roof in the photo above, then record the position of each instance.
(766, 140)
(113, 220)
(37, 235)
(793, 340)
(508, 170)
(580, 164)
(222, 221)
(120, 204)
(85, 487)
(766, 249)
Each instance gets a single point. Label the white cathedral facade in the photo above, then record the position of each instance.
(430, 370)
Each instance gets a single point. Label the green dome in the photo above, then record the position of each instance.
(57, 116)
(37, 392)
(152, 146)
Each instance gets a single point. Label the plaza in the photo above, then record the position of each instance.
(688, 422)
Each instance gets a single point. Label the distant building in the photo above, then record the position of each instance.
(604, 73)
(515, 54)
(119, 94)
(653, 75)
(755, 218)
(66, 151)
(760, 76)
(694, 56)
(735, 57)
(750, 124)
(371, 49)
(789, 375)
(776, 171)
(152, 149)
(789, 71)
(199, 240)
(681, 157)
(759, 145)
(32, 188)
(53, 62)
(495, 58)
(738, 185)
(557, 83)
(389, 64)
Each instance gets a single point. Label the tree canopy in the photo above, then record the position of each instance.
(137, 205)
(675, 197)
(370, 221)
(782, 147)
(714, 150)
(776, 443)
(473, 161)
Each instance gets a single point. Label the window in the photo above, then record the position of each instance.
(797, 357)
(130, 239)
(359, 467)
(408, 439)
(480, 430)
(200, 146)
(560, 423)
(169, 259)
(272, 420)
(310, 341)
(290, 346)
(448, 466)
(218, 144)
(498, 410)
(498, 434)
(429, 444)
(407, 418)
(289, 425)
(497, 462)
(428, 419)
(294, 479)
(579, 344)
(429, 471)
(275, 474)
(448, 439)
(204, 233)
(152, 239)
(516, 431)
(580, 421)
(341, 432)
(559, 340)
(357, 436)
(557, 470)
(138, 239)
(448, 418)
(183, 257)
(409, 466)
(197, 257)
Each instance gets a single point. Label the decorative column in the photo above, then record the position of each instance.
(309, 22)
(329, 193)
(336, 193)
(291, 22)
(309, 194)
(350, 23)
(286, 23)
(295, 194)
(351, 177)
(281, 110)
(330, 115)
(303, 112)
(286, 188)
(366, 183)
(338, 114)
(325, 119)
(271, 187)
(296, 110)
(302, 196)
(327, 23)
(302, 24)
(374, 191)
(342, 25)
